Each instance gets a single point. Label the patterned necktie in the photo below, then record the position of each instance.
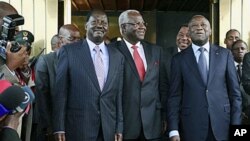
(139, 63)
(202, 63)
(239, 70)
(99, 67)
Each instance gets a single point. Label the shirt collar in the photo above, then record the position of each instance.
(178, 49)
(138, 44)
(196, 48)
(92, 45)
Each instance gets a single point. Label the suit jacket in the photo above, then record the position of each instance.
(166, 55)
(246, 73)
(45, 71)
(80, 108)
(7, 74)
(141, 100)
(8, 134)
(194, 105)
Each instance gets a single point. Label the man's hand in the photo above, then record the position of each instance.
(12, 121)
(118, 137)
(164, 127)
(60, 137)
(15, 59)
(175, 138)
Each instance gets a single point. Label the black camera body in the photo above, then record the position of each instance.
(10, 22)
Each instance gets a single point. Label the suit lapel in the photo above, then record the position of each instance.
(214, 57)
(55, 58)
(148, 55)
(111, 69)
(88, 63)
(124, 49)
(190, 59)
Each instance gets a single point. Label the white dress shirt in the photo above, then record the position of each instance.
(140, 51)
(104, 55)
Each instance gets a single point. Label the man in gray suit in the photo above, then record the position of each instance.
(141, 98)
(88, 89)
(45, 79)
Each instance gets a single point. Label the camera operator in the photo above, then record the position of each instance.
(13, 59)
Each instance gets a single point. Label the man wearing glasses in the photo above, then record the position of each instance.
(141, 99)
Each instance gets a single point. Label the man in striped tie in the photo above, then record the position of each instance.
(88, 89)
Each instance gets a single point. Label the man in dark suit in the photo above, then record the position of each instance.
(204, 96)
(183, 41)
(232, 35)
(45, 80)
(246, 77)
(141, 99)
(88, 89)
(246, 73)
(239, 49)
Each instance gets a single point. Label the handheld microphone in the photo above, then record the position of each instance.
(11, 98)
(28, 99)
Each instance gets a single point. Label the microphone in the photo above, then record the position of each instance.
(11, 98)
(28, 99)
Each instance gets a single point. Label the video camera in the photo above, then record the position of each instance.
(10, 22)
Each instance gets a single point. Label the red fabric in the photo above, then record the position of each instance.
(4, 84)
(139, 63)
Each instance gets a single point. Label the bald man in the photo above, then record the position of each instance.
(55, 42)
(45, 78)
(141, 96)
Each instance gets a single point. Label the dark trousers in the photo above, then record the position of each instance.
(142, 138)
(100, 135)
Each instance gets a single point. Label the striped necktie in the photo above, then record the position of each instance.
(99, 67)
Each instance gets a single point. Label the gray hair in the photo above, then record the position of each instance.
(123, 18)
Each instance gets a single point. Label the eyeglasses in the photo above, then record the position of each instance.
(136, 25)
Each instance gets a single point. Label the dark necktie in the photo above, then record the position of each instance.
(139, 63)
(99, 67)
(202, 63)
(239, 70)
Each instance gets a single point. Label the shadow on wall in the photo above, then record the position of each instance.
(248, 41)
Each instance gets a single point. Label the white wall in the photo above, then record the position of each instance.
(41, 18)
(234, 14)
